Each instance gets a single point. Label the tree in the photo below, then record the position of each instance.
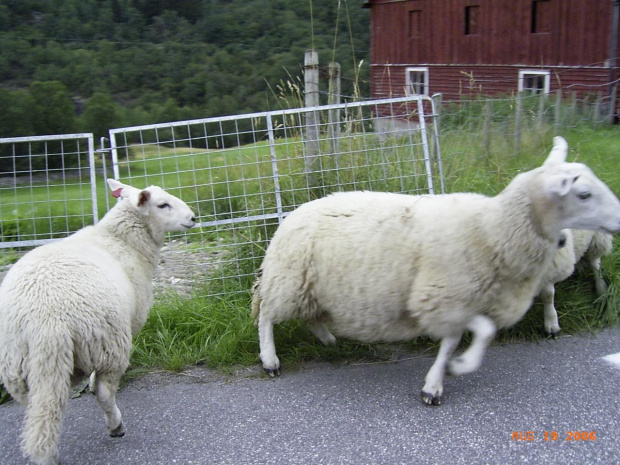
(15, 115)
(101, 113)
(53, 110)
(14, 122)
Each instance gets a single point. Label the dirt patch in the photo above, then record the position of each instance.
(179, 270)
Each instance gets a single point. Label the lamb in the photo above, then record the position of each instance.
(578, 245)
(71, 307)
(391, 267)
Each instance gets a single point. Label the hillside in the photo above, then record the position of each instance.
(129, 62)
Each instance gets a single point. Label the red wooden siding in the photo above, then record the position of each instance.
(570, 38)
(458, 81)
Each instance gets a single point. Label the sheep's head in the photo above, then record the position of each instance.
(167, 211)
(582, 201)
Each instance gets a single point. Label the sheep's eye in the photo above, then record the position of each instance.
(164, 205)
(584, 195)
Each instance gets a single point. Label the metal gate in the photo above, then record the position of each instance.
(48, 188)
(243, 174)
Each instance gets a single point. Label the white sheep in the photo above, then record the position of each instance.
(390, 267)
(577, 245)
(71, 307)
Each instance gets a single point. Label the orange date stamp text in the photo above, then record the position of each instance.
(570, 436)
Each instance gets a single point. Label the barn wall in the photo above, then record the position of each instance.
(576, 32)
(572, 41)
(458, 81)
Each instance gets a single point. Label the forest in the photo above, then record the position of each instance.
(90, 65)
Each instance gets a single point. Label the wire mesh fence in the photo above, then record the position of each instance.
(502, 136)
(243, 174)
(47, 188)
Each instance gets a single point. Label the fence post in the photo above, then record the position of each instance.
(557, 116)
(597, 108)
(334, 115)
(575, 110)
(488, 111)
(541, 111)
(612, 105)
(518, 122)
(438, 100)
(311, 77)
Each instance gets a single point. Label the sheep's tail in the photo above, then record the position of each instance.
(256, 297)
(49, 381)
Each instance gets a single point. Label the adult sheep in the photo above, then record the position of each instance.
(390, 267)
(71, 307)
(578, 245)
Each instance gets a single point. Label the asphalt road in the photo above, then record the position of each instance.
(361, 414)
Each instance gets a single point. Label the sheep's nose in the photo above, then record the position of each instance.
(193, 218)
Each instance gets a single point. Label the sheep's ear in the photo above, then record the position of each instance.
(120, 190)
(560, 184)
(143, 197)
(558, 153)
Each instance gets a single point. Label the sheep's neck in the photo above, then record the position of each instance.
(523, 232)
(133, 229)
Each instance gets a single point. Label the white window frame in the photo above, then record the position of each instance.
(535, 72)
(408, 84)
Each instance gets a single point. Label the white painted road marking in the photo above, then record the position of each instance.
(613, 358)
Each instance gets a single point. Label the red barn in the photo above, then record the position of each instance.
(492, 47)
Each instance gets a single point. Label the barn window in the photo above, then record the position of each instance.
(534, 82)
(417, 81)
(541, 16)
(471, 20)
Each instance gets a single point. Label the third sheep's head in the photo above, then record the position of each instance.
(583, 201)
(168, 212)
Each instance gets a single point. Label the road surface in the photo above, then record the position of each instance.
(547, 402)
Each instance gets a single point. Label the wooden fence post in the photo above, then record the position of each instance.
(596, 116)
(311, 78)
(612, 105)
(333, 98)
(488, 112)
(557, 111)
(575, 110)
(541, 111)
(518, 112)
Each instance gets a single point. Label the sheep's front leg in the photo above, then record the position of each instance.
(271, 364)
(433, 387)
(106, 386)
(484, 332)
(552, 326)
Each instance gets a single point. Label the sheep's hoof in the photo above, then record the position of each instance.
(118, 432)
(272, 373)
(553, 334)
(430, 399)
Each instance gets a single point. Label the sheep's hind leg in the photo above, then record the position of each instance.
(271, 364)
(433, 386)
(599, 281)
(484, 332)
(552, 326)
(106, 386)
(321, 332)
